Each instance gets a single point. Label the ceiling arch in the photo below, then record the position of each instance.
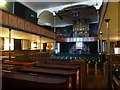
(46, 18)
(96, 3)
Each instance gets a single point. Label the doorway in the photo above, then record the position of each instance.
(17, 44)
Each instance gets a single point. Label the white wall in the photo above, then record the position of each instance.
(117, 50)
(26, 44)
(6, 44)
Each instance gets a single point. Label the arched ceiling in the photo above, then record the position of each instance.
(65, 17)
(46, 18)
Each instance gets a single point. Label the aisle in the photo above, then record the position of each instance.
(96, 81)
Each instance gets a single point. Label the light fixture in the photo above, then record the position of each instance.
(2, 2)
(32, 16)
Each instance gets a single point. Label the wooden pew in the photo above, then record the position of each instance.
(15, 65)
(56, 66)
(19, 63)
(81, 64)
(63, 67)
(24, 81)
(70, 75)
(116, 80)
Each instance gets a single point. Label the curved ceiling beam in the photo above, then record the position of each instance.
(95, 3)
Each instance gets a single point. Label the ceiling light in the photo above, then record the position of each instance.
(32, 16)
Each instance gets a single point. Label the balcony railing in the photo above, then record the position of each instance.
(17, 23)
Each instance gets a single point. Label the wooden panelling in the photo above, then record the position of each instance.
(52, 35)
(42, 30)
(3, 17)
(32, 27)
(46, 32)
(12, 20)
(20, 23)
(37, 29)
(27, 26)
(0, 17)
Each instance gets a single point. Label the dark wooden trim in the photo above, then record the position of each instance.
(10, 27)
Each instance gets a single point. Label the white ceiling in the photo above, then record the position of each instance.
(43, 4)
(52, 6)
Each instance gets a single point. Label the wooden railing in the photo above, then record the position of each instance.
(16, 22)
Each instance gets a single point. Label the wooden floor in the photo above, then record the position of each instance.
(96, 81)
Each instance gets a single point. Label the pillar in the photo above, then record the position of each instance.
(109, 83)
(55, 34)
(9, 44)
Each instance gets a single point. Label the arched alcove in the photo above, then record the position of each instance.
(46, 18)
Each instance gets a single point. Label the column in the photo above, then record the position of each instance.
(98, 18)
(109, 83)
(98, 45)
(9, 44)
(101, 47)
(107, 37)
(40, 44)
(55, 33)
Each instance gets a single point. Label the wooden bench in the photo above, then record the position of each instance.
(116, 80)
(14, 65)
(81, 64)
(24, 81)
(70, 75)
(19, 63)
(63, 67)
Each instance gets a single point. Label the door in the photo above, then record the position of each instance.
(17, 44)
